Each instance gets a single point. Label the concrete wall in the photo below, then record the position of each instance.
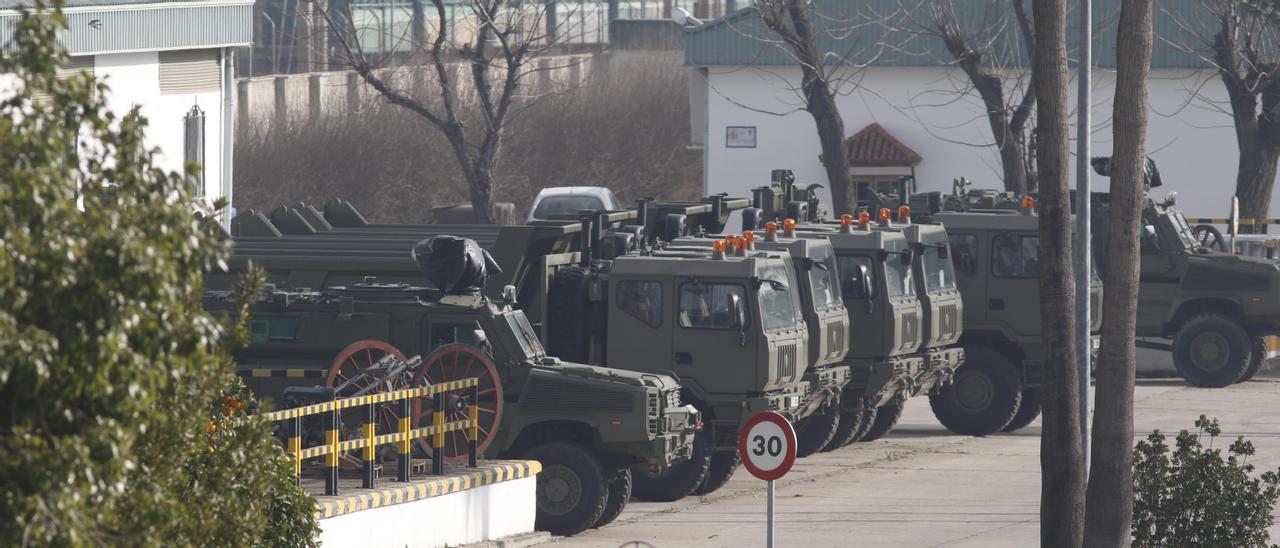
(1190, 139)
(484, 513)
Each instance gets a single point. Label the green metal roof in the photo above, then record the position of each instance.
(878, 32)
(102, 26)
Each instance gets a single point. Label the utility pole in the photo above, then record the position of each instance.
(1083, 253)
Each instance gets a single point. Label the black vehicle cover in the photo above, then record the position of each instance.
(457, 266)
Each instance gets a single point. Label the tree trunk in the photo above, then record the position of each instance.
(1008, 140)
(1109, 507)
(1255, 179)
(1061, 451)
(821, 104)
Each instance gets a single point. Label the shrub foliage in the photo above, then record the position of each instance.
(1195, 495)
(121, 419)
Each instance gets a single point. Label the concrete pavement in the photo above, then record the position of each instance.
(922, 485)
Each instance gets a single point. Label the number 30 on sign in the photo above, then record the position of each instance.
(767, 445)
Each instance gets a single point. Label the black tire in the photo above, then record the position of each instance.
(850, 422)
(1211, 350)
(680, 480)
(567, 317)
(815, 431)
(1028, 410)
(887, 417)
(673, 226)
(864, 425)
(723, 465)
(572, 490)
(1257, 356)
(983, 397)
(619, 496)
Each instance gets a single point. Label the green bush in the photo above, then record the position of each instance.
(1192, 496)
(121, 419)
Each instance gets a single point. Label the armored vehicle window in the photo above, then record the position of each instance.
(524, 334)
(273, 329)
(1185, 231)
(964, 253)
(706, 305)
(898, 278)
(847, 266)
(643, 300)
(825, 290)
(778, 303)
(1015, 256)
(446, 333)
(938, 272)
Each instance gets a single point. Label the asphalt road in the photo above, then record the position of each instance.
(922, 485)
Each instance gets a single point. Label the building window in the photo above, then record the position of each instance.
(185, 72)
(1015, 256)
(642, 300)
(193, 149)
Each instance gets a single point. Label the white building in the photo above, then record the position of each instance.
(172, 59)
(739, 83)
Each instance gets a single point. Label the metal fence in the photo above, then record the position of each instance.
(369, 440)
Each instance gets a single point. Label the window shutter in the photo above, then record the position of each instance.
(189, 71)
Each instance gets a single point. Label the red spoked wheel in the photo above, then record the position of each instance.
(353, 373)
(453, 362)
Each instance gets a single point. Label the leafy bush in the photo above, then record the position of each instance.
(1192, 496)
(123, 422)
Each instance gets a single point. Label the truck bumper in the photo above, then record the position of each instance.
(879, 382)
(940, 368)
(674, 443)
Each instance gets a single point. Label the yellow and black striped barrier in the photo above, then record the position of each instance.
(369, 440)
(1222, 221)
(488, 474)
(283, 373)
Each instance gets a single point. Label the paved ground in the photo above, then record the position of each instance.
(921, 485)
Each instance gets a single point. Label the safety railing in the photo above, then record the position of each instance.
(1223, 221)
(369, 441)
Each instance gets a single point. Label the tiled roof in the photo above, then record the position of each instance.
(875, 147)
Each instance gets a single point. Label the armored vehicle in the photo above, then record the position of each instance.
(824, 314)
(1212, 309)
(588, 425)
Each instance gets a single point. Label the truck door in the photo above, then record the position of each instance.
(971, 275)
(708, 344)
(639, 320)
(1013, 288)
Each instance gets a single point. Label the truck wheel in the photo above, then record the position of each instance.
(886, 418)
(723, 465)
(571, 488)
(619, 495)
(850, 422)
(864, 425)
(680, 480)
(567, 317)
(984, 396)
(815, 431)
(1257, 355)
(1211, 350)
(1028, 410)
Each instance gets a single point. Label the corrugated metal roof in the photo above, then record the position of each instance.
(141, 26)
(874, 146)
(882, 33)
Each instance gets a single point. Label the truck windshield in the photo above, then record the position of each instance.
(898, 277)
(778, 302)
(938, 272)
(1185, 232)
(524, 335)
(825, 290)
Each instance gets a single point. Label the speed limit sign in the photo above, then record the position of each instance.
(767, 445)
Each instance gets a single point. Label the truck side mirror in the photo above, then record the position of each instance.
(737, 312)
(906, 256)
(944, 252)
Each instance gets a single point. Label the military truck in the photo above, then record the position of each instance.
(588, 425)
(1213, 310)
(573, 296)
(824, 314)
(919, 328)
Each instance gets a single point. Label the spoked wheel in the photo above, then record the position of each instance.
(1210, 237)
(361, 369)
(455, 362)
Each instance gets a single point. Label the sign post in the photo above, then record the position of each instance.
(767, 445)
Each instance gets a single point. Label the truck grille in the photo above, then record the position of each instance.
(835, 338)
(654, 403)
(948, 321)
(910, 329)
(787, 362)
(568, 398)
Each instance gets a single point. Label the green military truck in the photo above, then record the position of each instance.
(1213, 310)
(828, 324)
(588, 425)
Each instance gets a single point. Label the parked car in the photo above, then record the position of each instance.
(568, 200)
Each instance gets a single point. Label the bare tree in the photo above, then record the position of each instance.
(977, 35)
(1061, 446)
(1109, 505)
(1243, 45)
(478, 66)
(825, 74)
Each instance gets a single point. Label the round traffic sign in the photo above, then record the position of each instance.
(767, 445)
